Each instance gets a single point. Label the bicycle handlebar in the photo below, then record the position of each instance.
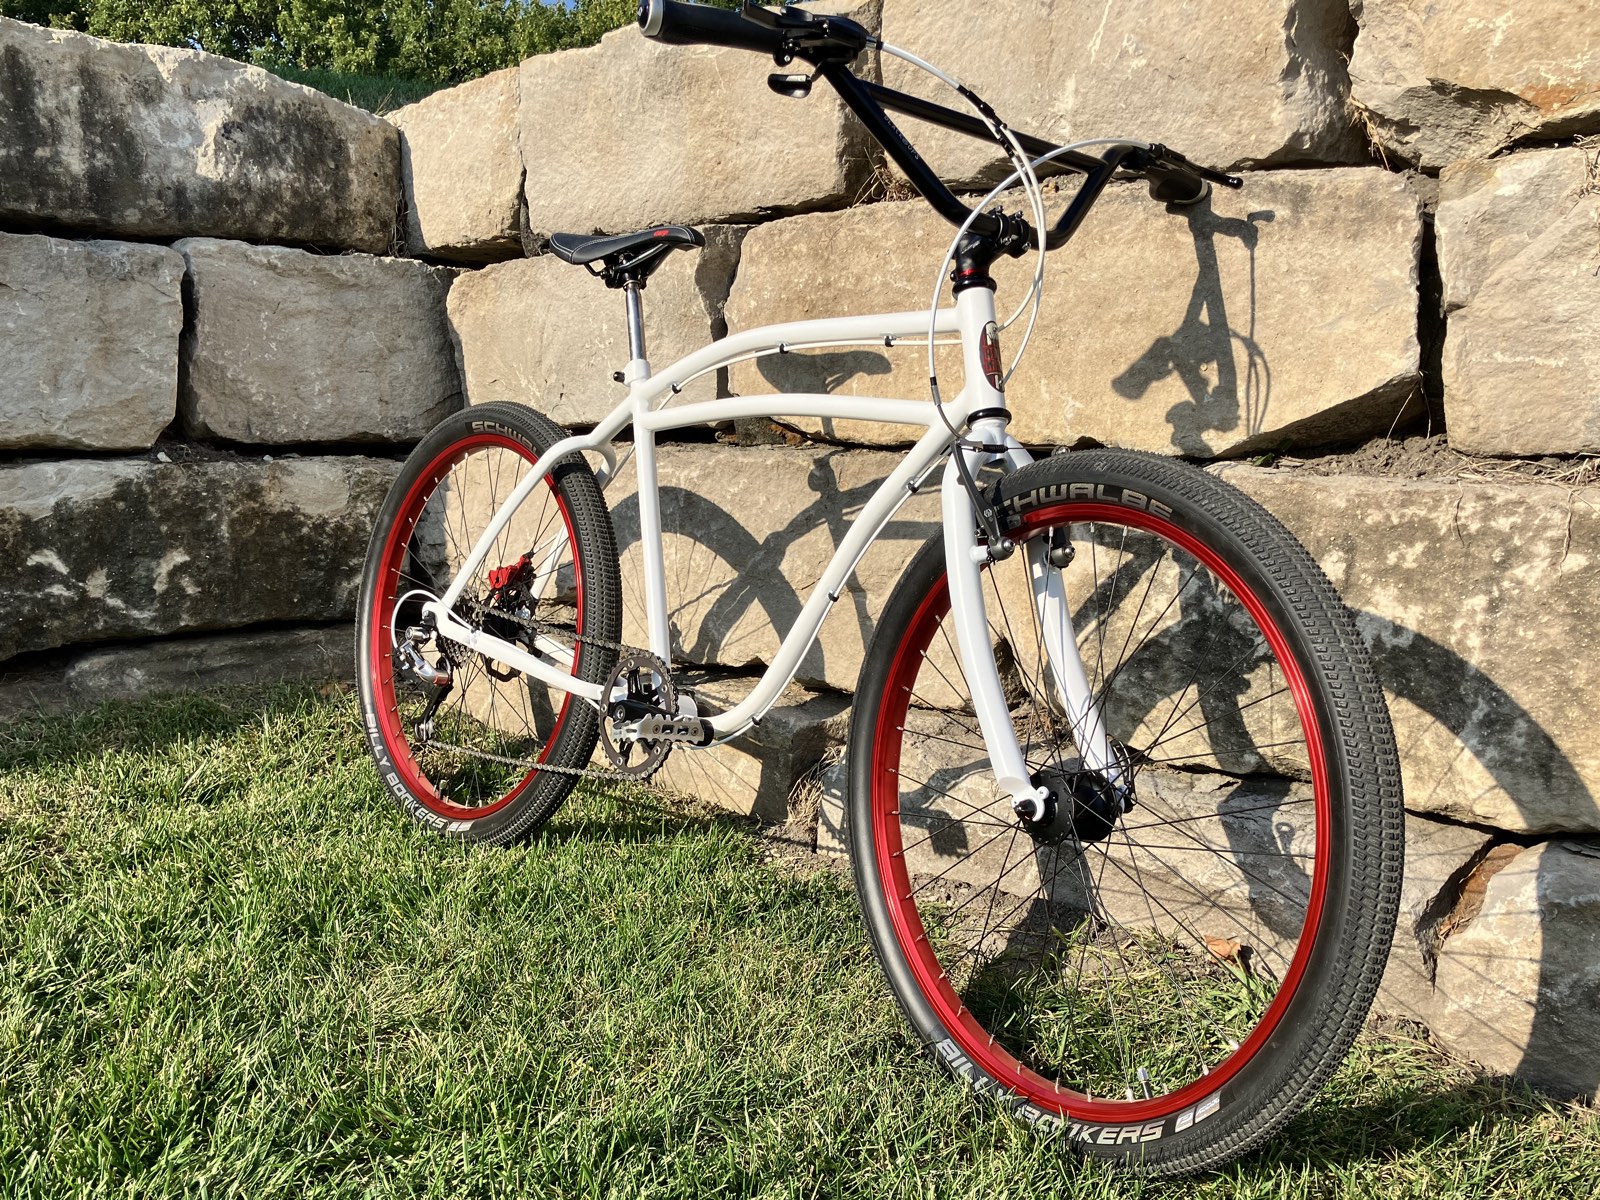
(680, 24)
(832, 43)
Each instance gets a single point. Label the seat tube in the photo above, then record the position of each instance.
(644, 451)
(655, 584)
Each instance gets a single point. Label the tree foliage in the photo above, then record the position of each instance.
(441, 41)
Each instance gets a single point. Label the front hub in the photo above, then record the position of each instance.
(1082, 805)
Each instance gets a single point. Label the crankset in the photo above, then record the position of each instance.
(642, 723)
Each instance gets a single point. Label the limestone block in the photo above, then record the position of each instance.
(1438, 859)
(116, 548)
(1237, 326)
(629, 133)
(288, 347)
(150, 141)
(541, 332)
(1252, 82)
(181, 665)
(747, 532)
(1477, 601)
(756, 774)
(1519, 986)
(1441, 81)
(461, 168)
(1519, 253)
(90, 338)
(1474, 599)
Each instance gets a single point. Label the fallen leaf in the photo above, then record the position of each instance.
(1226, 949)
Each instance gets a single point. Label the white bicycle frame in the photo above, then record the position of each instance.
(648, 410)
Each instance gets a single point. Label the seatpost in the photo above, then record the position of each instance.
(630, 292)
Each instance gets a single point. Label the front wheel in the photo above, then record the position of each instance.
(1164, 975)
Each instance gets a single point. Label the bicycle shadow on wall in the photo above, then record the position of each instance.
(822, 372)
(729, 597)
(1200, 352)
(1500, 743)
(728, 591)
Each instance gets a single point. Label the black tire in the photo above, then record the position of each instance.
(1225, 936)
(498, 759)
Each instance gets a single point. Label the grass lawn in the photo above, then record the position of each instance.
(229, 967)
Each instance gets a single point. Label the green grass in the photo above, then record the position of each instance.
(375, 93)
(229, 967)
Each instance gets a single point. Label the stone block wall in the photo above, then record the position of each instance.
(212, 362)
(229, 305)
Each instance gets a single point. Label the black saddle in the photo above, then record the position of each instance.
(625, 256)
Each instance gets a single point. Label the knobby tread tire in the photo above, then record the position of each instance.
(1352, 945)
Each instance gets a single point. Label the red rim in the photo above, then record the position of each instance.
(910, 934)
(380, 667)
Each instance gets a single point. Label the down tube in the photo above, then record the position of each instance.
(864, 530)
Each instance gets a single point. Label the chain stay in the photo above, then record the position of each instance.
(672, 730)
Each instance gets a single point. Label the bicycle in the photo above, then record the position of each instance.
(1124, 802)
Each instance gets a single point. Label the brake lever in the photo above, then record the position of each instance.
(796, 87)
(1166, 156)
(759, 14)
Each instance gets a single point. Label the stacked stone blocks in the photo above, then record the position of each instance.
(255, 311)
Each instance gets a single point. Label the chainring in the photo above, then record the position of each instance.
(647, 690)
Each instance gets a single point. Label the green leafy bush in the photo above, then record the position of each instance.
(433, 41)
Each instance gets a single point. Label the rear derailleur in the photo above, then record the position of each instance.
(410, 663)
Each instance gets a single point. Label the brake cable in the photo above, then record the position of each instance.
(1026, 172)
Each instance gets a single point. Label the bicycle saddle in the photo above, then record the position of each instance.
(579, 250)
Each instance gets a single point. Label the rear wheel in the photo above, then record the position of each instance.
(1166, 981)
(467, 744)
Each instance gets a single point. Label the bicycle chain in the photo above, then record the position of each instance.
(527, 623)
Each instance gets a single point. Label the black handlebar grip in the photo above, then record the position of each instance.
(680, 24)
